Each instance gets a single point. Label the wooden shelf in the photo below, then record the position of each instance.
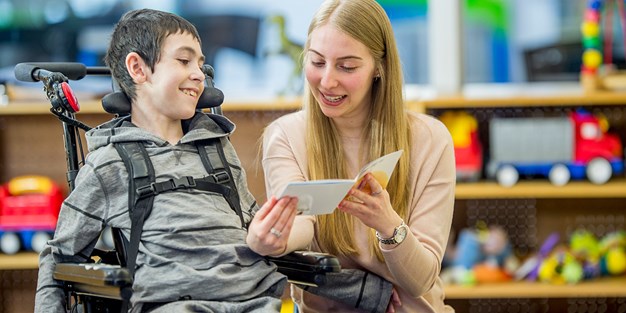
(615, 188)
(525, 95)
(603, 287)
(95, 107)
(490, 95)
(19, 261)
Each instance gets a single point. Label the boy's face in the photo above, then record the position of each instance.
(177, 81)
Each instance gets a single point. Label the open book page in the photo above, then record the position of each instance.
(318, 197)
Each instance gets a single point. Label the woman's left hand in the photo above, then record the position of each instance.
(394, 302)
(269, 230)
(372, 208)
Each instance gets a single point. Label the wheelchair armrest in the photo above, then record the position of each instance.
(306, 267)
(113, 281)
(102, 280)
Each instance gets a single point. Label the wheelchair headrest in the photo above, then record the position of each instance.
(118, 102)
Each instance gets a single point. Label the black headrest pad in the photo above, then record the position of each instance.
(118, 103)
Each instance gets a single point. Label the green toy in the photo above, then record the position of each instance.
(613, 247)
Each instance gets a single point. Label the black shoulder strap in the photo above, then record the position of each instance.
(215, 162)
(141, 175)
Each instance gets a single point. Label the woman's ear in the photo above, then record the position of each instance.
(136, 67)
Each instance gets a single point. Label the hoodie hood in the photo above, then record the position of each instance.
(200, 127)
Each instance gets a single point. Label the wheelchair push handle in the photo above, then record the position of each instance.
(35, 71)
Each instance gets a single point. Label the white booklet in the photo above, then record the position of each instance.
(318, 197)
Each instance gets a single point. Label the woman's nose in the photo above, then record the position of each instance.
(329, 80)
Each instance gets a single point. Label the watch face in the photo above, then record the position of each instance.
(400, 234)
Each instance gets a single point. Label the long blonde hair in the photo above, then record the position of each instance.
(387, 132)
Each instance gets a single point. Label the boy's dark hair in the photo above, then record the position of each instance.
(142, 31)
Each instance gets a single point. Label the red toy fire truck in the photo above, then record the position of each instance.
(29, 207)
(560, 148)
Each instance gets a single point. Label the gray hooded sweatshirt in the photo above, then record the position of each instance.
(192, 244)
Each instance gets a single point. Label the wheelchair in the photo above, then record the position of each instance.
(105, 284)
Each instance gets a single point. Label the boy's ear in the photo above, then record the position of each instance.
(136, 67)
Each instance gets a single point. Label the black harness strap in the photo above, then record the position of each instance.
(208, 183)
(141, 174)
(214, 160)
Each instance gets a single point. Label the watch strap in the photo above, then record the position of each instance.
(392, 239)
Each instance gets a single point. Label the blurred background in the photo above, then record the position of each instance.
(505, 47)
(506, 40)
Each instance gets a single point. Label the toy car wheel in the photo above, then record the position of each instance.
(39, 240)
(599, 171)
(10, 243)
(559, 175)
(507, 176)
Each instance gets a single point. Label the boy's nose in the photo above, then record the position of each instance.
(197, 74)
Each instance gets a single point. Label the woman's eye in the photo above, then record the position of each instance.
(317, 64)
(348, 68)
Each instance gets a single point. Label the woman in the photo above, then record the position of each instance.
(354, 113)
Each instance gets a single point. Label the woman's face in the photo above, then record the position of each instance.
(340, 71)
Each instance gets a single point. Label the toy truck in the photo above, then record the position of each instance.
(29, 208)
(560, 148)
(468, 151)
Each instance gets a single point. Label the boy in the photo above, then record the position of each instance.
(193, 245)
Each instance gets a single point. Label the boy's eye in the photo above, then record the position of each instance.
(183, 61)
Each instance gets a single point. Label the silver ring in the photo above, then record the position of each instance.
(275, 232)
(376, 193)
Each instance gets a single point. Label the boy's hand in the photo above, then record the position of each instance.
(269, 230)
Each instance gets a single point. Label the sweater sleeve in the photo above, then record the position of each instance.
(356, 288)
(80, 222)
(283, 155)
(415, 263)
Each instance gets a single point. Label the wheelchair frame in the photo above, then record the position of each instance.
(106, 285)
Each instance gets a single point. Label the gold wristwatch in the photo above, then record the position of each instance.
(399, 233)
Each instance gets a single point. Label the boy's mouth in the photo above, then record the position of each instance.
(190, 92)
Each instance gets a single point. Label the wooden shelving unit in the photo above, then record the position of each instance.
(251, 117)
(551, 208)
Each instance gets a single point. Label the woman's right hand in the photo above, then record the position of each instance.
(372, 206)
